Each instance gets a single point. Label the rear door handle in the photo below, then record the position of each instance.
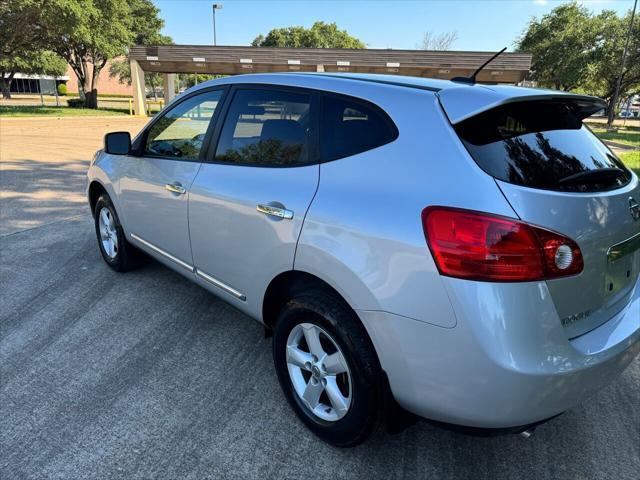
(274, 211)
(175, 188)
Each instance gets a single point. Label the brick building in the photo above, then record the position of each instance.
(107, 85)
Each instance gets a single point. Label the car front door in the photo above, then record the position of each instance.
(248, 203)
(154, 185)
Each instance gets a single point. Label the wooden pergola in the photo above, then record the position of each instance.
(510, 68)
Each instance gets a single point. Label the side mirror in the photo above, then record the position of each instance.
(117, 143)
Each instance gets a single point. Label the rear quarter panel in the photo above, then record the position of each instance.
(363, 232)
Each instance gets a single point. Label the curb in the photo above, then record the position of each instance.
(55, 117)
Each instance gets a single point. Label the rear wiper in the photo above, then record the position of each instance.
(594, 176)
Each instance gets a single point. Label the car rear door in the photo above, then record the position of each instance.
(247, 204)
(557, 175)
(154, 185)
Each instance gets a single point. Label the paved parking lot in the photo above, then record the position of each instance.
(145, 375)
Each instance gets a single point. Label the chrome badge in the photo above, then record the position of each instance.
(570, 320)
(634, 208)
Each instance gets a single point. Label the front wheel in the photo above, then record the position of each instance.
(119, 254)
(327, 368)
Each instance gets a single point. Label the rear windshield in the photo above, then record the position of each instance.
(541, 145)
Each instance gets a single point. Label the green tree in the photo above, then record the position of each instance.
(188, 80)
(31, 63)
(575, 49)
(23, 43)
(603, 72)
(20, 26)
(89, 33)
(146, 23)
(146, 26)
(320, 35)
(562, 43)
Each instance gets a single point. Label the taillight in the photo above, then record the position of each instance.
(481, 246)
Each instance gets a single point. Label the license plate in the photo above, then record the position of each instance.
(619, 274)
(622, 265)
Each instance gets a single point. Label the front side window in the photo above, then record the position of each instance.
(181, 131)
(266, 128)
(350, 126)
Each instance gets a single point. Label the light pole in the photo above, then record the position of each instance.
(216, 6)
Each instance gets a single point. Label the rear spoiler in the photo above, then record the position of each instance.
(461, 103)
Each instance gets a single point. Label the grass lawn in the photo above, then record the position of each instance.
(31, 111)
(631, 159)
(627, 136)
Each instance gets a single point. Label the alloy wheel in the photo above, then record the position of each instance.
(108, 233)
(319, 372)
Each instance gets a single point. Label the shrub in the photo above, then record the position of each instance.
(75, 103)
(62, 89)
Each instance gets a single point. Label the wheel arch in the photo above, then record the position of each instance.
(286, 285)
(98, 186)
(93, 193)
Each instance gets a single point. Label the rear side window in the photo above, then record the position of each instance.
(349, 126)
(541, 145)
(267, 128)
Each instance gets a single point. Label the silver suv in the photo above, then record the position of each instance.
(467, 253)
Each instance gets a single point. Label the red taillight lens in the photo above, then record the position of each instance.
(480, 246)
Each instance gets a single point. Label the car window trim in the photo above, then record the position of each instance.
(314, 147)
(140, 141)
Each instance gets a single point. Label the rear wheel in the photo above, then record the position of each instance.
(328, 368)
(119, 254)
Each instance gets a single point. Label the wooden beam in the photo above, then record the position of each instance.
(507, 68)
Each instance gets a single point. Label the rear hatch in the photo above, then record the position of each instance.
(556, 174)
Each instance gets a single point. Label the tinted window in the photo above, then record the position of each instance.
(541, 145)
(180, 132)
(350, 126)
(266, 127)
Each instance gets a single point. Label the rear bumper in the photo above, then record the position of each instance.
(507, 362)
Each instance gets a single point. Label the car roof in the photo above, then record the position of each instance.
(460, 100)
(430, 84)
(422, 83)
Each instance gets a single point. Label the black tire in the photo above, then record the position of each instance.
(127, 257)
(330, 313)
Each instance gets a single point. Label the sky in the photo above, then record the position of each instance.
(485, 25)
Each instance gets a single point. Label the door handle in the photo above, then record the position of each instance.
(175, 188)
(275, 211)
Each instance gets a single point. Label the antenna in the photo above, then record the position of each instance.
(472, 78)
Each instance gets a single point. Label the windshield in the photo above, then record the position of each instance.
(541, 145)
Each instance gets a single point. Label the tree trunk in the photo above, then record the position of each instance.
(153, 87)
(6, 88)
(91, 99)
(611, 112)
(6, 85)
(81, 75)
